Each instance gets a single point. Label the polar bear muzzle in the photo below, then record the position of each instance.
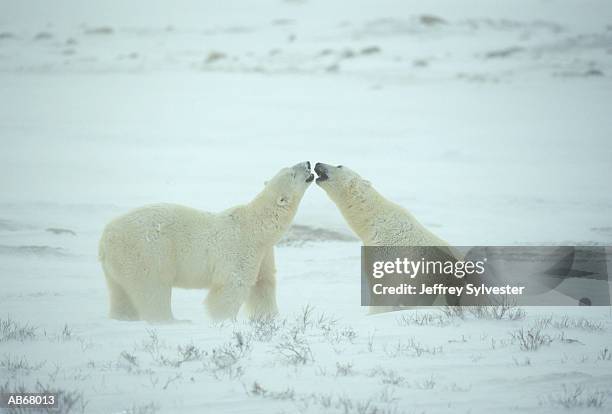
(323, 171)
(304, 167)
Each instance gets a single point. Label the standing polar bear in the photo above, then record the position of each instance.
(150, 250)
(376, 220)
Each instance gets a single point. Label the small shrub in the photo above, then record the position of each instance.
(531, 339)
(604, 355)
(543, 323)
(388, 376)
(458, 312)
(162, 355)
(294, 349)
(225, 358)
(387, 396)
(337, 335)
(188, 353)
(66, 333)
(565, 340)
(411, 348)
(504, 310)
(577, 323)
(265, 329)
(11, 330)
(347, 405)
(423, 319)
(344, 370)
(575, 396)
(150, 408)
(325, 322)
(525, 363)
(498, 312)
(305, 319)
(258, 390)
(128, 361)
(14, 365)
(152, 345)
(426, 384)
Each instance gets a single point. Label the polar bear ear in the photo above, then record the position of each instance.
(282, 201)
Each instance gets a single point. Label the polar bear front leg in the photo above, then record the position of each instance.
(224, 301)
(261, 302)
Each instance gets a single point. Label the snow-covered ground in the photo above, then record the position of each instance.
(490, 122)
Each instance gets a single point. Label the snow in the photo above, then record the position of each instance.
(491, 126)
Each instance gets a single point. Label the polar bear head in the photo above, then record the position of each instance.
(344, 186)
(287, 187)
(354, 196)
(274, 207)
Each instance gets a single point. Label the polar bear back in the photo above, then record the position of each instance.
(393, 225)
(169, 241)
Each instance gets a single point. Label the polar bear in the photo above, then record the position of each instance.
(374, 219)
(150, 250)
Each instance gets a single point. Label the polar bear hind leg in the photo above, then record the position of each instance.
(261, 302)
(121, 307)
(151, 300)
(120, 304)
(137, 298)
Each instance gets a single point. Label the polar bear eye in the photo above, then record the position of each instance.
(339, 166)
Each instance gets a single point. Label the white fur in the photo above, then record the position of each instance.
(376, 220)
(150, 250)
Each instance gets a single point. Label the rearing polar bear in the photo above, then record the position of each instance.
(150, 250)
